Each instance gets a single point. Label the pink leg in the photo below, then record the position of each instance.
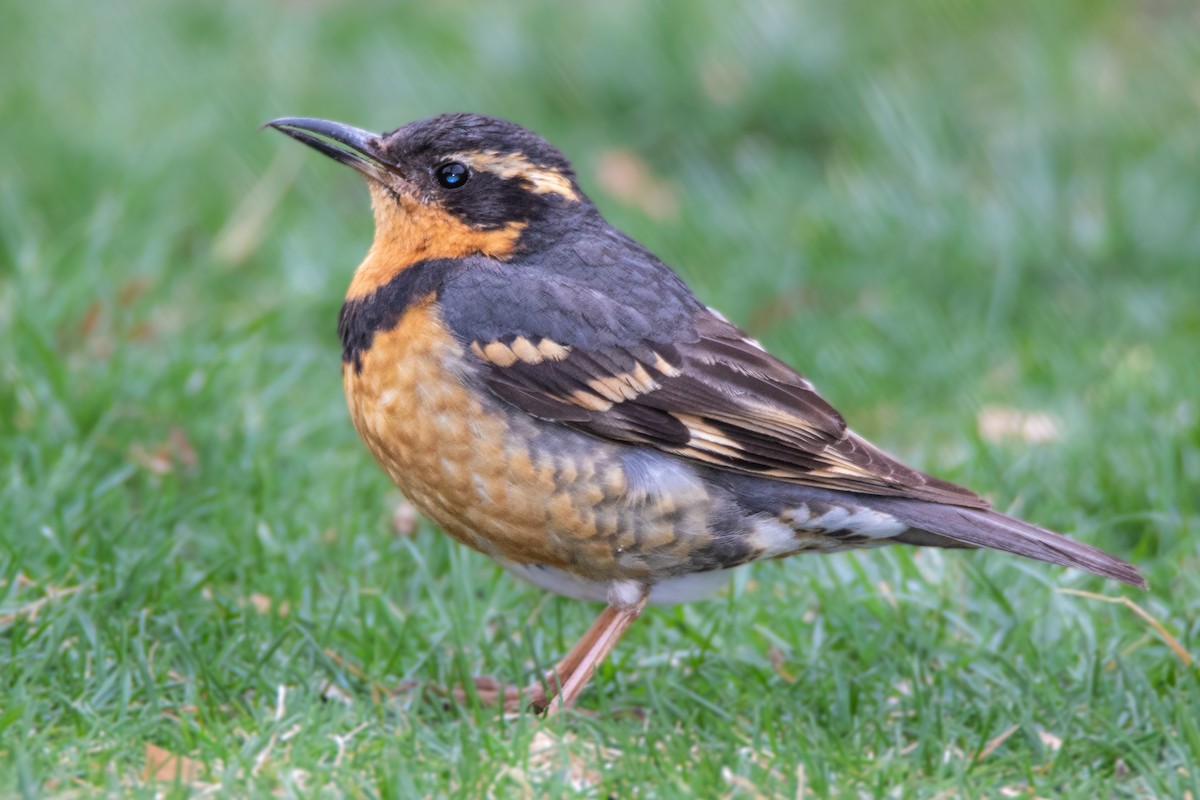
(569, 677)
(555, 678)
(580, 664)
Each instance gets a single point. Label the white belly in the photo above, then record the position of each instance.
(680, 589)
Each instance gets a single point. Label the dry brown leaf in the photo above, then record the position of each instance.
(131, 291)
(741, 785)
(404, 519)
(163, 458)
(1019, 791)
(142, 332)
(261, 603)
(90, 335)
(163, 765)
(777, 663)
(1050, 740)
(991, 746)
(626, 177)
(87, 323)
(156, 460)
(32, 608)
(181, 447)
(1000, 423)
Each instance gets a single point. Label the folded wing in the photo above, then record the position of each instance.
(715, 397)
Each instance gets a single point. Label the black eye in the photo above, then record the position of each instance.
(452, 175)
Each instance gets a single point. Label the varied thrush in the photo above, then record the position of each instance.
(551, 394)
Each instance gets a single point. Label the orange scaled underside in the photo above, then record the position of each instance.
(499, 481)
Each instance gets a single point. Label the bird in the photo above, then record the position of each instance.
(549, 393)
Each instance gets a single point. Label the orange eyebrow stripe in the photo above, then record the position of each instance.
(507, 166)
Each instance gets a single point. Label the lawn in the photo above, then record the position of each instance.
(975, 226)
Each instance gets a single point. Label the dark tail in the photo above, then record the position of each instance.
(952, 526)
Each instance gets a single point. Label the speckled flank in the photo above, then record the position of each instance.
(529, 492)
(843, 521)
(517, 488)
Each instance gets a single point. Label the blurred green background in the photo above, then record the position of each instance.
(976, 226)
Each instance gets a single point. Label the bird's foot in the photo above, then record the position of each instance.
(492, 693)
(488, 692)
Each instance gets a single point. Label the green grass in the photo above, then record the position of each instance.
(931, 208)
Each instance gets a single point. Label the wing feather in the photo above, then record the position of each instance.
(719, 399)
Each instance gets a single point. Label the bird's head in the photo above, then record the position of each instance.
(453, 186)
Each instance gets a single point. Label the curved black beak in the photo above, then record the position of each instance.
(354, 147)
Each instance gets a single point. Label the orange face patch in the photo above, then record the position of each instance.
(408, 231)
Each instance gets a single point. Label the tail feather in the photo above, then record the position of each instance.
(954, 526)
(932, 524)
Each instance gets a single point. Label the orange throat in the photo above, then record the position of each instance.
(408, 231)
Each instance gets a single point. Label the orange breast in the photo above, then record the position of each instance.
(505, 483)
